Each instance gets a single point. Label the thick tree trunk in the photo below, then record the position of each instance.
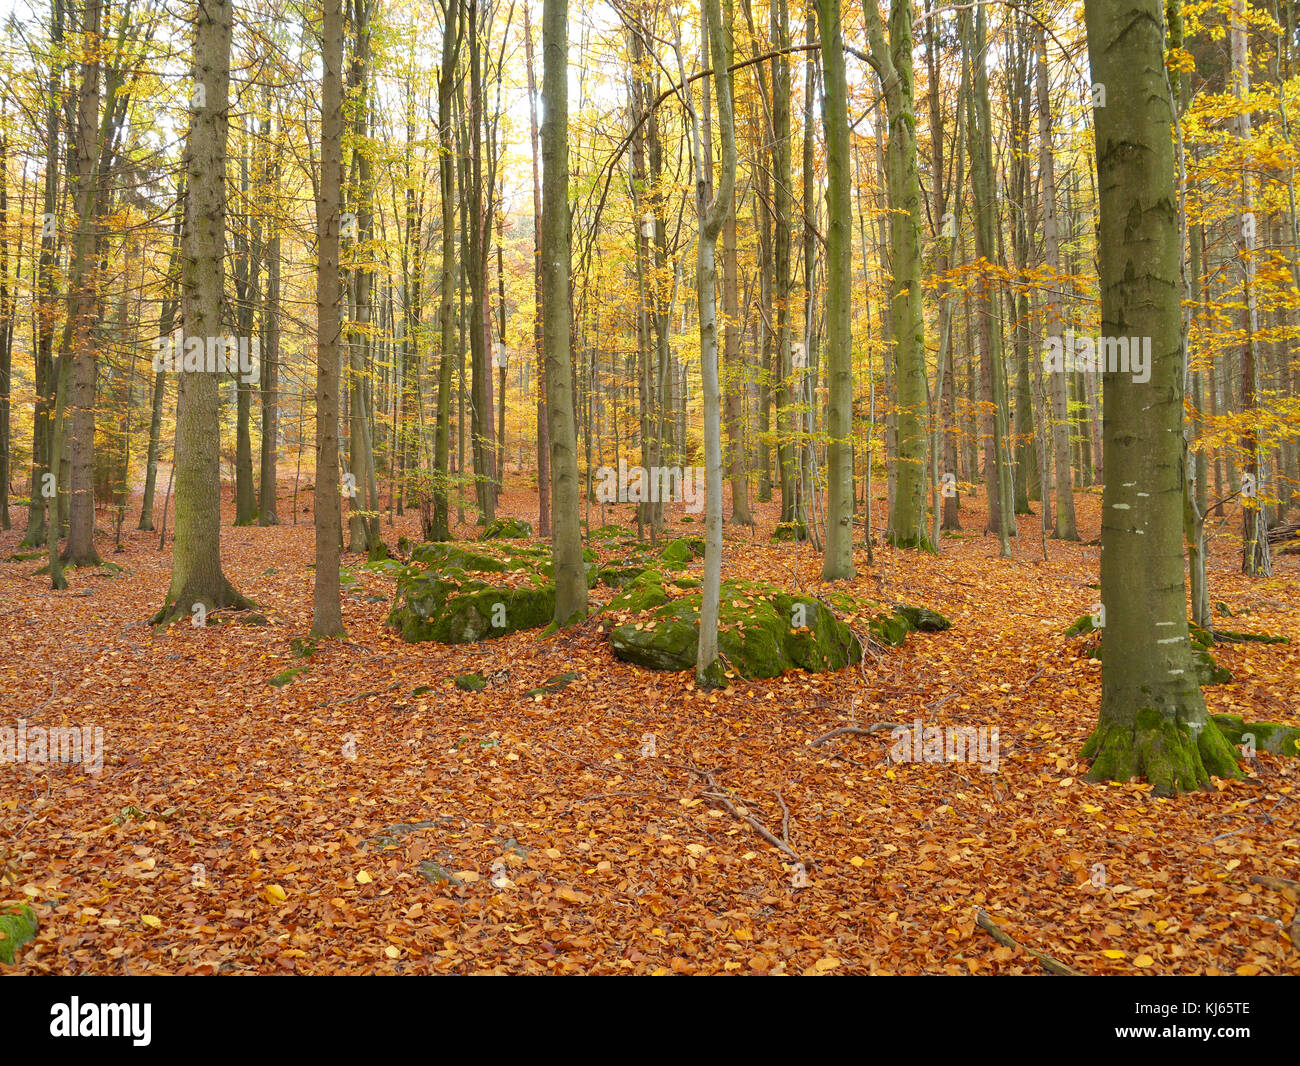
(78, 436)
(893, 63)
(197, 577)
(1153, 720)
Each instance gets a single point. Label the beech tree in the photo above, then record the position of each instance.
(197, 577)
(570, 571)
(1153, 721)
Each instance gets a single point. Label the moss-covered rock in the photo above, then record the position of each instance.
(17, 927)
(554, 684)
(286, 677)
(454, 609)
(445, 554)
(922, 619)
(677, 553)
(1250, 638)
(470, 682)
(1268, 736)
(507, 529)
(890, 628)
(643, 593)
(790, 531)
(620, 573)
(762, 632)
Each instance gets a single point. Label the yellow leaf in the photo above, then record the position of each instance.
(274, 894)
(392, 952)
(1248, 970)
(1144, 961)
(364, 878)
(151, 921)
(1113, 954)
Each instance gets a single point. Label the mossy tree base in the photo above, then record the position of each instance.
(920, 542)
(1174, 756)
(182, 606)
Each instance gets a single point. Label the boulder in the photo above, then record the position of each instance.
(458, 609)
(507, 529)
(758, 633)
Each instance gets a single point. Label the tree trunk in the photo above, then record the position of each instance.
(838, 561)
(711, 218)
(892, 61)
(1065, 528)
(197, 577)
(570, 571)
(1153, 720)
(327, 616)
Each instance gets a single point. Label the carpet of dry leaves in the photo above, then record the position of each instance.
(240, 828)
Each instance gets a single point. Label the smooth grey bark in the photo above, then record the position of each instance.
(838, 560)
(570, 572)
(327, 615)
(711, 215)
(1065, 528)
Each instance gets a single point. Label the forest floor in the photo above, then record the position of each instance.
(241, 828)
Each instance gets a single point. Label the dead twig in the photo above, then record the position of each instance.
(1004, 938)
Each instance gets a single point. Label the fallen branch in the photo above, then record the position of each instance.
(1004, 938)
(752, 822)
(1277, 884)
(855, 731)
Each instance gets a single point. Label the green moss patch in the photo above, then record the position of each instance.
(507, 529)
(762, 632)
(458, 609)
(17, 927)
(1268, 736)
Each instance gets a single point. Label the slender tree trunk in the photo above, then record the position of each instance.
(570, 571)
(327, 616)
(166, 321)
(838, 561)
(543, 444)
(1065, 528)
(711, 217)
